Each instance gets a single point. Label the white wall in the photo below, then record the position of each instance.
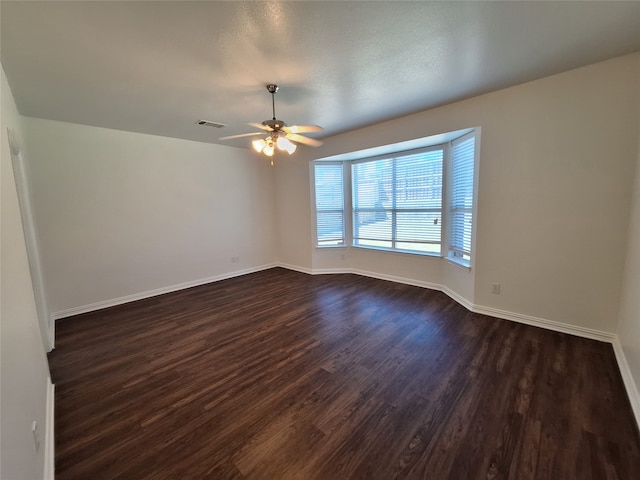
(23, 364)
(120, 214)
(629, 322)
(558, 158)
(555, 182)
(293, 205)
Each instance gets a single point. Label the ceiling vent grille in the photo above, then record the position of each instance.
(207, 123)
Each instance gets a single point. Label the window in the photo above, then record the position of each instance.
(419, 200)
(329, 186)
(461, 198)
(397, 202)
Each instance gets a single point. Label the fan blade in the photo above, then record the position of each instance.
(261, 127)
(241, 135)
(302, 128)
(312, 142)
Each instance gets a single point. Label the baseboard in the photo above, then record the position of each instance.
(295, 268)
(393, 278)
(330, 271)
(545, 323)
(627, 378)
(458, 298)
(154, 293)
(49, 435)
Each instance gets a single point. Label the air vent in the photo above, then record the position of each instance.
(207, 123)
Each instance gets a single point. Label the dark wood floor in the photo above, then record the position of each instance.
(281, 375)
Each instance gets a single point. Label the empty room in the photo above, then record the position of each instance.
(320, 240)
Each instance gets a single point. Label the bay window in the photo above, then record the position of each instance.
(418, 200)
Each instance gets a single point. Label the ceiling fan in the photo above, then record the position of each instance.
(279, 135)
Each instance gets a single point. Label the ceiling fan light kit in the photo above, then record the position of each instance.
(279, 135)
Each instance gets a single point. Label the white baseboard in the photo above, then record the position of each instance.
(627, 378)
(49, 434)
(295, 268)
(545, 323)
(153, 293)
(330, 271)
(393, 278)
(458, 298)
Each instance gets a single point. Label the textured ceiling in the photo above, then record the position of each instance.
(159, 66)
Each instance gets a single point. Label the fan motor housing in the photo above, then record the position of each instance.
(274, 124)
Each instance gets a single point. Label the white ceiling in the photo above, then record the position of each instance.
(159, 66)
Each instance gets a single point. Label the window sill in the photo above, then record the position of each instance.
(460, 264)
(402, 252)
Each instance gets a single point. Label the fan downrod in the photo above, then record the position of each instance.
(273, 88)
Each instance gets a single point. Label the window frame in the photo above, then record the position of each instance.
(345, 236)
(453, 252)
(393, 157)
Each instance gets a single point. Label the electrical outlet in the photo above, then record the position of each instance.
(36, 435)
(495, 288)
(235, 259)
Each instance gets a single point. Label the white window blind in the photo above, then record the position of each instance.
(461, 199)
(329, 186)
(397, 202)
